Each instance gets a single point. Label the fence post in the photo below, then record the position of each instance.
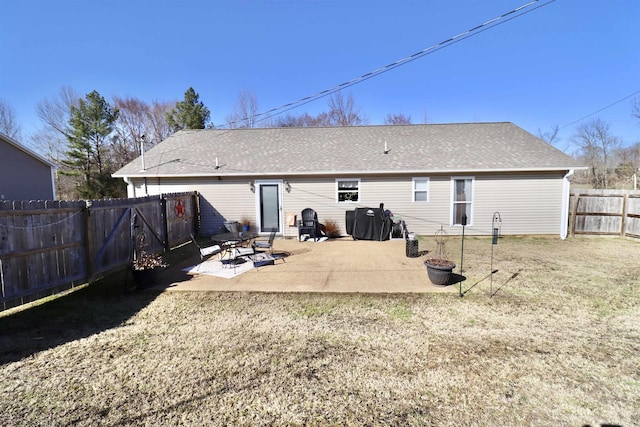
(195, 199)
(624, 216)
(88, 240)
(165, 222)
(572, 219)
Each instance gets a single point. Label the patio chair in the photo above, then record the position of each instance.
(265, 244)
(206, 251)
(309, 224)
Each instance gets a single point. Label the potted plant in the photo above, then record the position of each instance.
(145, 267)
(246, 223)
(331, 229)
(439, 269)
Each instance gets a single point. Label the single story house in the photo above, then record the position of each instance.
(24, 174)
(428, 175)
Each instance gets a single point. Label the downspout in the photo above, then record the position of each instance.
(131, 189)
(564, 215)
(53, 183)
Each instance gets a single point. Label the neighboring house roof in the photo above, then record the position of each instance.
(26, 150)
(430, 148)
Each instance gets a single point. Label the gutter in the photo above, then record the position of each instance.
(345, 172)
(564, 214)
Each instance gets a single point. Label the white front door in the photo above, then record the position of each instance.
(269, 206)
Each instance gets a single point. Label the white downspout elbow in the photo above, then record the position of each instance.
(131, 189)
(564, 215)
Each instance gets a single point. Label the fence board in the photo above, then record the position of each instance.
(50, 246)
(605, 213)
(180, 212)
(632, 224)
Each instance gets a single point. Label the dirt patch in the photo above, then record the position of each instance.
(554, 339)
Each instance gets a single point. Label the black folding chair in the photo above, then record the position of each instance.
(265, 244)
(206, 251)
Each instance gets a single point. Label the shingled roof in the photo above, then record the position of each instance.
(430, 148)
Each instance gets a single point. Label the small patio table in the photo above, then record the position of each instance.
(236, 244)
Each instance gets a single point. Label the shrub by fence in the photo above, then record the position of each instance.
(605, 212)
(50, 246)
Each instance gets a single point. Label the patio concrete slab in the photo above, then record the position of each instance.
(334, 266)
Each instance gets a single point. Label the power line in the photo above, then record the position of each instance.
(499, 20)
(601, 109)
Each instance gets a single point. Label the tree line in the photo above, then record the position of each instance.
(89, 138)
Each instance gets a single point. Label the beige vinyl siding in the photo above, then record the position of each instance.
(220, 201)
(395, 192)
(318, 194)
(528, 203)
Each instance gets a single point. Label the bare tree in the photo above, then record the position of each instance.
(302, 121)
(129, 129)
(344, 112)
(138, 123)
(341, 113)
(158, 127)
(8, 123)
(397, 119)
(54, 113)
(245, 111)
(549, 136)
(635, 108)
(597, 146)
(628, 159)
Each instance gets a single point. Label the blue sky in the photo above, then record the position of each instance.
(551, 66)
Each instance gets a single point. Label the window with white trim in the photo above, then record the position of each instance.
(420, 189)
(462, 199)
(348, 190)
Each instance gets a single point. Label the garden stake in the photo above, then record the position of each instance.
(513, 276)
(484, 278)
(494, 241)
(464, 223)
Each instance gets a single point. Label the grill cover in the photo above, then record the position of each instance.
(371, 224)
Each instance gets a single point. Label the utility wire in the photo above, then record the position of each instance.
(499, 20)
(602, 109)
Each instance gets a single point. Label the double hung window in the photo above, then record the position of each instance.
(420, 189)
(462, 200)
(348, 190)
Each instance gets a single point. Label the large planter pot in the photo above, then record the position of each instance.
(145, 278)
(439, 271)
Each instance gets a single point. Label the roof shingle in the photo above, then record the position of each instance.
(430, 148)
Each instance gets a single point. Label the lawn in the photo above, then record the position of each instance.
(554, 340)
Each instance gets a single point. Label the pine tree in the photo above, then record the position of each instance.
(189, 114)
(90, 125)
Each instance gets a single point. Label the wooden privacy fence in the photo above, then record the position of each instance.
(50, 246)
(605, 212)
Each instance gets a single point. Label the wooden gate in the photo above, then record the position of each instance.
(50, 246)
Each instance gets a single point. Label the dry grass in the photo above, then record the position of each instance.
(557, 344)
